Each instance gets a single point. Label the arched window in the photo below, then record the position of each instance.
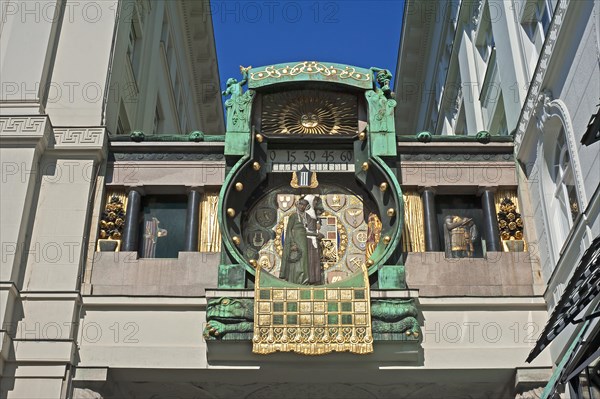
(561, 195)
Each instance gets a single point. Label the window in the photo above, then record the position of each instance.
(485, 37)
(181, 111)
(487, 45)
(122, 121)
(157, 122)
(460, 128)
(120, 127)
(133, 50)
(561, 196)
(536, 18)
(563, 178)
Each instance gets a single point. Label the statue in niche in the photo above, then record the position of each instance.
(460, 234)
(151, 235)
(238, 105)
(301, 258)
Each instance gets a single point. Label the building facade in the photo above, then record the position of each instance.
(147, 254)
(529, 69)
(72, 74)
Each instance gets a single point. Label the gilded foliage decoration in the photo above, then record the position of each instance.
(310, 68)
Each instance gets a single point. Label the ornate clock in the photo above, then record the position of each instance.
(310, 210)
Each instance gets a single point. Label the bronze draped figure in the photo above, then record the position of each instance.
(301, 258)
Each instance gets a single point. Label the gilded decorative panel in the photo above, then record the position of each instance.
(309, 112)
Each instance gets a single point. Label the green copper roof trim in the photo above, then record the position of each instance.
(196, 136)
(406, 138)
(310, 71)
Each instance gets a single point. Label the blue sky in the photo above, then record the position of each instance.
(361, 33)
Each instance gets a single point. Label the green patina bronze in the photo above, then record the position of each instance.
(195, 136)
(311, 71)
(233, 318)
(395, 316)
(424, 137)
(231, 276)
(392, 277)
(238, 107)
(382, 131)
(481, 137)
(229, 318)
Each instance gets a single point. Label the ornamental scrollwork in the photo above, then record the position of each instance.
(311, 68)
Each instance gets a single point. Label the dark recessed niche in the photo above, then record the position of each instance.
(162, 226)
(465, 207)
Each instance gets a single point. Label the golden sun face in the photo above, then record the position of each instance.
(309, 120)
(309, 112)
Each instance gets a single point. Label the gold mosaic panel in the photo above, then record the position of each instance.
(312, 320)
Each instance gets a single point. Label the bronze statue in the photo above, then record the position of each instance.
(459, 236)
(151, 236)
(238, 105)
(301, 259)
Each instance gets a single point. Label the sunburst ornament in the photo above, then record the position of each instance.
(309, 112)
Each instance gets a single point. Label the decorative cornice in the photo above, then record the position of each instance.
(446, 157)
(25, 131)
(542, 108)
(164, 156)
(454, 139)
(23, 125)
(82, 138)
(311, 71)
(533, 96)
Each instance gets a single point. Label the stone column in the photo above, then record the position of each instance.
(490, 222)
(432, 237)
(132, 222)
(193, 220)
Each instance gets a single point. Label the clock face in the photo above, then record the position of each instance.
(345, 226)
(309, 112)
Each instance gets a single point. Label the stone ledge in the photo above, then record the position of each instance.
(123, 273)
(385, 353)
(501, 274)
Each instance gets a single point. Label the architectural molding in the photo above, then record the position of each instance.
(85, 393)
(167, 156)
(198, 30)
(25, 131)
(542, 108)
(457, 157)
(533, 96)
(22, 125)
(88, 138)
(557, 108)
